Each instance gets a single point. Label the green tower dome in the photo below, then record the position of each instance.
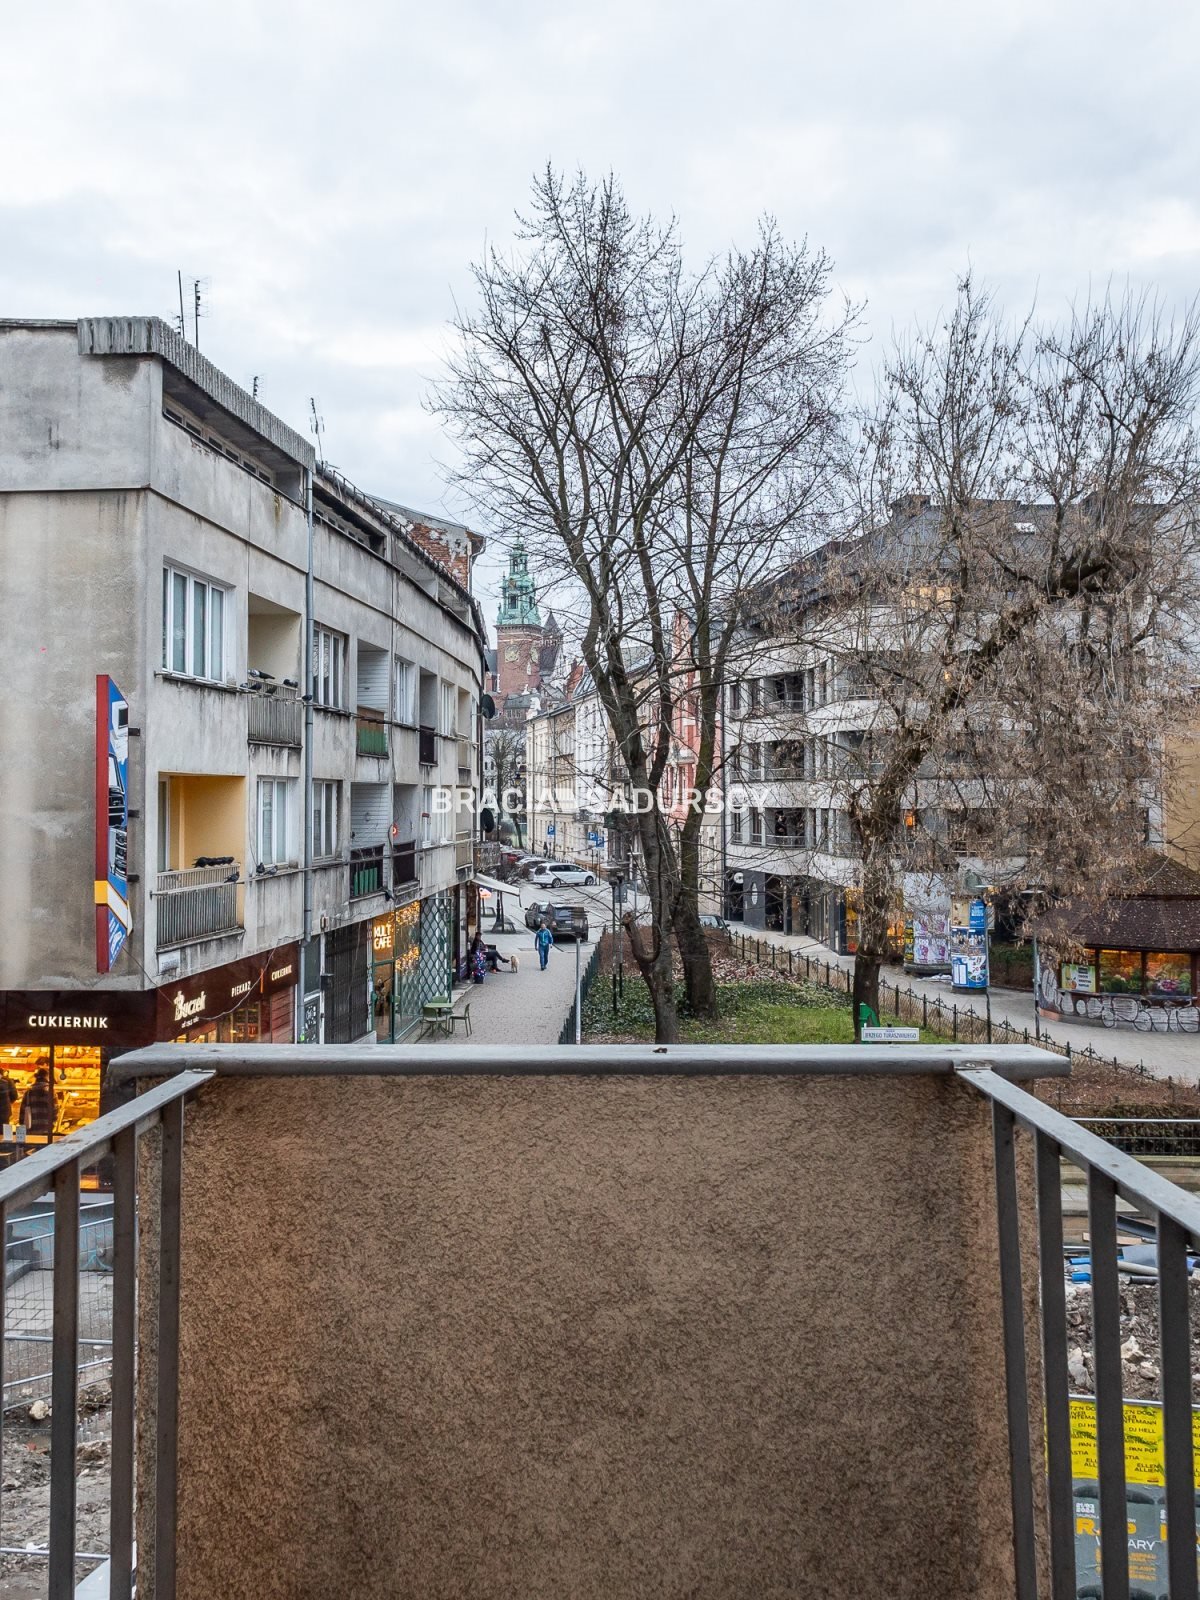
(518, 601)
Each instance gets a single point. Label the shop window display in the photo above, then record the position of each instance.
(76, 1075)
(1120, 972)
(1169, 974)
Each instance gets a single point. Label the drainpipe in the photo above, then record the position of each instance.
(309, 689)
(724, 901)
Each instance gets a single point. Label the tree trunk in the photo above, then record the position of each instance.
(692, 944)
(690, 939)
(866, 987)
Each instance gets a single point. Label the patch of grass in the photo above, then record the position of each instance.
(751, 1013)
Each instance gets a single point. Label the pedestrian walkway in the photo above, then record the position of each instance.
(1163, 1055)
(523, 1007)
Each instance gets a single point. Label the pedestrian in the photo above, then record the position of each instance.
(543, 939)
(478, 959)
(40, 1105)
(8, 1096)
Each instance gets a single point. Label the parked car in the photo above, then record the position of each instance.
(550, 874)
(709, 919)
(562, 920)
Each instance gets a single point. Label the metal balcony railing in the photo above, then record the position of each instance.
(196, 903)
(274, 717)
(464, 852)
(427, 746)
(150, 1386)
(1175, 1216)
(1030, 1143)
(366, 871)
(371, 735)
(404, 863)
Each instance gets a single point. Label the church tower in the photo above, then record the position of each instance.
(518, 628)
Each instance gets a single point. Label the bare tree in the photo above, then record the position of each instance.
(1008, 630)
(659, 437)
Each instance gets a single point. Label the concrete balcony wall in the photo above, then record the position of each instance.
(593, 1336)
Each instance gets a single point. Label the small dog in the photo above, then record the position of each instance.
(513, 962)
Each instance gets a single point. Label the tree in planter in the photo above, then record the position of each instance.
(1009, 628)
(659, 437)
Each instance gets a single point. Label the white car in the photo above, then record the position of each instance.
(550, 874)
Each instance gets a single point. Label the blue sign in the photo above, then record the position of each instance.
(977, 917)
(969, 945)
(549, 830)
(114, 920)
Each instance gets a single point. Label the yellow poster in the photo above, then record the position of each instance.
(1143, 1441)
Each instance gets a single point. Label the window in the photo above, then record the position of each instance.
(1169, 974)
(193, 633)
(406, 692)
(427, 814)
(1120, 971)
(326, 809)
(735, 695)
(329, 668)
(756, 827)
(735, 827)
(449, 708)
(274, 847)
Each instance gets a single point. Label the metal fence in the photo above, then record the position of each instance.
(274, 718)
(195, 902)
(1016, 1115)
(961, 1024)
(29, 1302)
(573, 1026)
(55, 1171)
(1147, 1136)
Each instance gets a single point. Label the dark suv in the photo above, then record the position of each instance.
(564, 921)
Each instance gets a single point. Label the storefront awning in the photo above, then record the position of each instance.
(494, 886)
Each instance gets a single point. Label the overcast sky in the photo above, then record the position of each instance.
(331, 169)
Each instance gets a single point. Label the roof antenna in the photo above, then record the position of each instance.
(317, 426)
(254, 394)
(182, 322)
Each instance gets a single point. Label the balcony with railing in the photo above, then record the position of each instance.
(371, 733)
(682, 1343)
(366, 871)
(404, 864)
(464, 853)
(196, 903)
(274, 715)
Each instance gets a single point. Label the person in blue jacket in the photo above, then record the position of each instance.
(543, 939)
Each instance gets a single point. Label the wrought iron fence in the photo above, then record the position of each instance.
(195, 903)
(960, 1023)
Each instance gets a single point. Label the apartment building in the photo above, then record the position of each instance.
(189, 849)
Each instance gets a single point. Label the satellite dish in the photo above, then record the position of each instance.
(487, 819)
(487, 705)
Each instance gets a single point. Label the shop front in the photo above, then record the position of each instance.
(71, 1035)
(252, 1001)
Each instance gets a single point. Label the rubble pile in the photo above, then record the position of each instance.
(1139, 1340)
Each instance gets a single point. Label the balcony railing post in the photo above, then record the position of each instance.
(166, 1461)
(1174, 1329)
(124, 1334)
(1055, 1376)
(64, 1383)
(1110, 1402)
(1012, 1303)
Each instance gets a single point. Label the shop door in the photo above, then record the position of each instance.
(347, 1015)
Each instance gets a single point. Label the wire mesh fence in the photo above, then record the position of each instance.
(962, 1024)
(29, 1307)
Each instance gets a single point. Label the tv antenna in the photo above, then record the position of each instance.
(257, 381)
(316, 426)
(199, 308)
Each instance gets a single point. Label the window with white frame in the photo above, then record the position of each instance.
(326, 809)
(735, 826)
(274, 822)
(756, 827)
(193, 625)
(329, 668)
(427, 814)
(449, 708)
(406, 692)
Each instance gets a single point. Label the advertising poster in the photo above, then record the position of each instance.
(926, 940)
(114, 920)
(1078, 979)
(968, 943)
